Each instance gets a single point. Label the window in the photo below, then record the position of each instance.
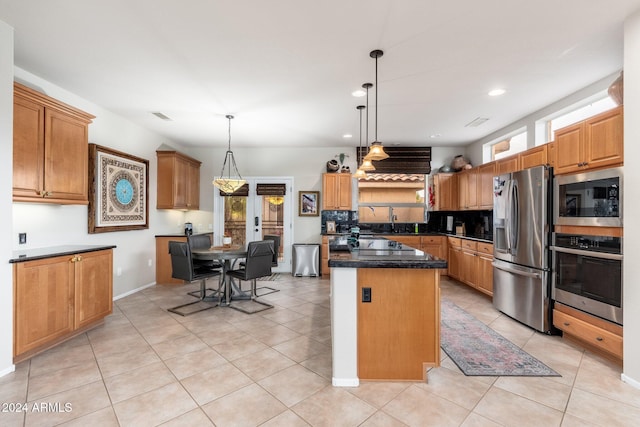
(505, 146)
(580, 114)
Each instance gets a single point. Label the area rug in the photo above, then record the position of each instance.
(480, 351)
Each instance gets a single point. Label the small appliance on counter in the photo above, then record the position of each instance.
(449, 224)
(188, 229)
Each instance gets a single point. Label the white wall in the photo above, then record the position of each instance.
(6, 167)
(631, 191)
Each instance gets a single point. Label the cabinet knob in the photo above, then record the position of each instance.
(599, 339)
(566, 323)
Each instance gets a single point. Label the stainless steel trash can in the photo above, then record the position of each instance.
(306, 260)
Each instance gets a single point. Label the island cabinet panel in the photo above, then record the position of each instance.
(163, 260)
(50, 149)
(59, 297)
(398, 331)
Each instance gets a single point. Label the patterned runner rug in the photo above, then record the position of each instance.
(480, 351)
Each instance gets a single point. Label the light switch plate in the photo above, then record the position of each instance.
(22, 238)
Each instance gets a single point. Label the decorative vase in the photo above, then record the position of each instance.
(333, 166)
(616, 89)
(458, 162)
(345, 169)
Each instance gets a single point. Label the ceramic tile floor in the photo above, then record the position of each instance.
(147, 367)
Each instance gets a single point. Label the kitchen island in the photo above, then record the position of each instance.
(385, 311)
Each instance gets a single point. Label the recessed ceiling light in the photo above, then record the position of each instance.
(347, 135)
(435, 135)
(358, 93)
(497, 92)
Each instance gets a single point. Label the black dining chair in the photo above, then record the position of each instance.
(257, 264)
(182, 267)
(274, 263)
(202, 241)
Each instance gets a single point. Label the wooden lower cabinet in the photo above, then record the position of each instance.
(56, 298)
(324, 257)
(594, 333)
(163, 260)
(470, 262)
(399, 330)
(437, 246)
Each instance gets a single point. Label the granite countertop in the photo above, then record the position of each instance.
(380, 253)
(53, 251)
(487, 238)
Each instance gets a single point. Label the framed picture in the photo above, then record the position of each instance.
(331, 227)
(118, 191)
(308, 203)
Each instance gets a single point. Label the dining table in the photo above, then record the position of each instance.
(227, 256)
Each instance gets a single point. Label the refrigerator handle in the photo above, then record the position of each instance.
(517, 272)
(507, 219)
(515, 215)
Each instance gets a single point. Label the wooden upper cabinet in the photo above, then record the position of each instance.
(336, 191)
(446, 191)
(508, 164)
(468, 189)
(178, 181)
(486, 172)
(593, 143)
(50, 149)
(533, 157)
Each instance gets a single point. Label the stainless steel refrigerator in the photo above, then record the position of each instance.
(521, 227)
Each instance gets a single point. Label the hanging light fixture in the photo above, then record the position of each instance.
(376, 152)
(366, 165)
(229, 183)
(360, 173)
(275, 200)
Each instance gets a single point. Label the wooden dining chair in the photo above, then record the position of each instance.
(257, 264)
(182, 267)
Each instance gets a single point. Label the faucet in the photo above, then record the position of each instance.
(392, 217)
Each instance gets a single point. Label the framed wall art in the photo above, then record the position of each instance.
(118, 191)
(308, 203)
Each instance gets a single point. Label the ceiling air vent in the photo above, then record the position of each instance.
(476, 122)
(161, 116)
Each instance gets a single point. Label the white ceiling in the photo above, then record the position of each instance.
(286, 68)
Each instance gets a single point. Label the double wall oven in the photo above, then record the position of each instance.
(587, 270)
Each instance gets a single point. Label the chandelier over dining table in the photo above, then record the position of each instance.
(230, 179)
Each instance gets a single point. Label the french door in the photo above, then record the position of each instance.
(256, 212)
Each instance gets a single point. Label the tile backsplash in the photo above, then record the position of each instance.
(344, 220)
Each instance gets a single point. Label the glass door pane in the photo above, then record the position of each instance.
(235, 219)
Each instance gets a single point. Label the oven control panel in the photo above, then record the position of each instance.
(608, 244)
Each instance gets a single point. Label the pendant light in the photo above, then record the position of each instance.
(376, 152)
(360, 173)
(366, 165)
(229, 183)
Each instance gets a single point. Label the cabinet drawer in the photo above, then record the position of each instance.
(455, 241)
(431, 240)
(470, 245)
(485, 248)
(597, 337)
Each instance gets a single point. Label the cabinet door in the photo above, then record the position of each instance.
(442, 183)
(507, 165)
(486, 172)
(43, 301)
(28, 148)
(463, 190)
(181, 184)
(469, 268)
(603, 139)
(193, 186)
(330, 188)
(66, 157)
(455, 255)
(472, 188)
(569, 149)
(485, 276)
(344, 191)
(533, 157)
(93, 287)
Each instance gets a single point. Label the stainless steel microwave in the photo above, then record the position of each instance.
(589, 198)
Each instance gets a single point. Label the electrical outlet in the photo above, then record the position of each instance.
(118, 271)
(22, 238)
(150, 262)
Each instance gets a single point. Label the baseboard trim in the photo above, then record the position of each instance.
(345, 382)
(8, 370)
(126, 294)
(627, 379)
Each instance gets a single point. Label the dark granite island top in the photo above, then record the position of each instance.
(381, 253)
(385, 311)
